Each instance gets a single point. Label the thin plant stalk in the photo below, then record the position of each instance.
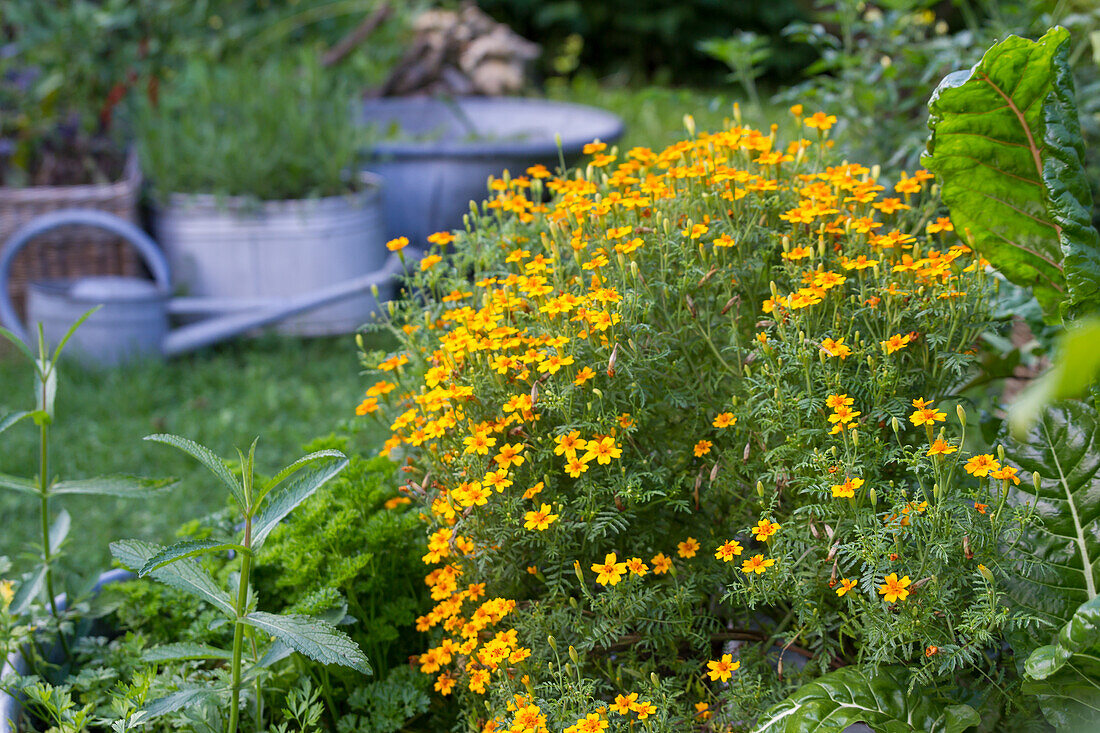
(238, 631)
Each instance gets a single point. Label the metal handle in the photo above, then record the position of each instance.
(38, 226)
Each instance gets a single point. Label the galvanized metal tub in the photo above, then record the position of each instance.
(11, 710)
(445, 151)
(261, 252)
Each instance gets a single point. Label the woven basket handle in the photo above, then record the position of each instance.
(38, 226)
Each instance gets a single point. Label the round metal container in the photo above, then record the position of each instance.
(445, 151)
(267, 251)
(131, 324)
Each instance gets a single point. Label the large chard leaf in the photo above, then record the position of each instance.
(1063, 447)
(318, 640)
(1007, 145)
(850, 695)
(1065, 675)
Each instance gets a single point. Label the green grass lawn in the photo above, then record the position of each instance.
(287, 391)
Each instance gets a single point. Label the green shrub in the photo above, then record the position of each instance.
(695, 434)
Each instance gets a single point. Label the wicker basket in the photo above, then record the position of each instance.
(75, 251)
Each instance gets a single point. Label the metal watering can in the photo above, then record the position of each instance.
(133, 321)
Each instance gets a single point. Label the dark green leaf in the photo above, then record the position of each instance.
(122, 486)
(1007, 145)
(185, 698)
(318, 640)
(850, 695)
(186, 575)
(1063, 446)
(275, 653)
(283, 500)
(1065, 675)
(184, 550)
(207, 458)
(183, 651)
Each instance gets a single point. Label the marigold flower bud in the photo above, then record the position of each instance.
(985, 573)
(962, 415)
(553, 644)
(573, 655)
(1035, 480)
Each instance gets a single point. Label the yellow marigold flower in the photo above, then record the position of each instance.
(594, 147)
(479, 444)
(611, 571)
(722, 669)
(644, 709)
(893, 589)
(836, 348)
(797, 253)
(381, 388)
(509, 455)
(688, 547)
(926, 415)
(1008, 473)
(941, 224)
(636, 566)
(661, 563)
(441, 238)
(575, 466)
(726, 552)
(398, 244)
(820, 121)
(702, 448)
(569, 443)
(583, 376)
(626, 420)
(429, 261)
(529, 718)
(834, 401)
(981, 465)
(367, 406)
(533, 491)
(757, 564)
(724, 420)
(623, 703)
(940, 448)
(723, 240)
(764, 529)
(396, 502)
(845, 586)
(539, 519)
(603, 450)
(847, 490)
(844, 414)
(896, 342)
(7, 594)
(702, 711)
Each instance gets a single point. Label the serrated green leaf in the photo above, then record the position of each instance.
(121, 486)
(181, 699)
(184, 550)
(283, 500)
(275, 653)
(206, 457)
(1063, 446)
(850, 695)
(318, 640)
(293, 468)
(1066, 675)
(183, 651)
(1006, 143)
(186, 575)
(15, 483)
(1076, 366)
(72, 329)
(18, 343)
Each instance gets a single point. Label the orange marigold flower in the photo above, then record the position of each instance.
(636, 566)
(398, 244)
(726, 552)
(702, 448)
(834, 401)
(688, 547)
(623, 703)
(583, 376)
(722, 669)
(764, 529)
(661, 563)
(509, 455)
(940, 448)
(644, 709)
(845, 586)
(724, 420)
(941, 224)
(1008, 473)
(757, 564)
(926, 416)
(569, 443)
(897, 342)
(836, 348)
(981, 508)
(893, 589)
(820, 121)
(602, 450)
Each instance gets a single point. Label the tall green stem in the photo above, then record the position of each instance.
(238, 631)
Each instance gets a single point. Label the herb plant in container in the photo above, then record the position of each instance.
(256, 194)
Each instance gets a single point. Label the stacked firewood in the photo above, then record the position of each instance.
(462, 52)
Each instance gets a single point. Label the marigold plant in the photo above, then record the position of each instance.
(658, 414)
